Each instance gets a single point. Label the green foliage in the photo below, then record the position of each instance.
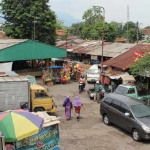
(148, 27)
(92, 28)
(130, 31)
(141, 66)
(92, 16)
(76, 29)
(59, 24)
(22, 17)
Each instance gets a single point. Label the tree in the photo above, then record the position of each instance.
(131, 30)
(118, 27)
(27, 18)
(141, 66)
(93, 15)
(59, 24)
(76, 29)
(148, 27)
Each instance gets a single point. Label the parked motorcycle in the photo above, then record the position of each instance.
(81, 87)
(102, 93)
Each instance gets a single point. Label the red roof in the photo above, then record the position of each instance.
(124, 60)
(146, 31)
(121, 40)
(61, 32)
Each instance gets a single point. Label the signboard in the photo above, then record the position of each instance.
(46, 139)
(137, 55)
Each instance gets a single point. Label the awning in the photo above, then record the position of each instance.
(54, 67)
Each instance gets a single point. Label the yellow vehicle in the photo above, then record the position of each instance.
(17, 92)
(41, 100)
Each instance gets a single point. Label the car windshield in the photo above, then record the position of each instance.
(93, 71)
(140, 110)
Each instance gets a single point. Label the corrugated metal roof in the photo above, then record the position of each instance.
(124, 60)
(86, 47)
(4, 43)
(112, 50)
(14, 49)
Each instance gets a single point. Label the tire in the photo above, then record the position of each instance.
(106, 119)
(136, 135)
(39, 109)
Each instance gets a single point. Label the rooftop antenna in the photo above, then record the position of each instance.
(128, 13)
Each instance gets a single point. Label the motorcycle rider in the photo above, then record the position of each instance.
(82, 79)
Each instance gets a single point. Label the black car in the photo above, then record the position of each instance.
(128, 113)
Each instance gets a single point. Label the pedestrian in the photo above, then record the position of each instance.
(77, 106)
(68, 106)
(97, 90)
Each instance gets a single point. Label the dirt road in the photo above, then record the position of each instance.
(90, 133)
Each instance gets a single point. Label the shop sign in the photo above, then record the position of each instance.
(46, 139)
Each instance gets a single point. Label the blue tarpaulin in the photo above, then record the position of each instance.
(54, 67)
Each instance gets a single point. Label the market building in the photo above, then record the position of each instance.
(27, 55)
(123, 61)
(91, 50)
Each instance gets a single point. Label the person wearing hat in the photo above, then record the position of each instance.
(97, 90)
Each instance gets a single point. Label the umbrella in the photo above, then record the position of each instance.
(19, 124)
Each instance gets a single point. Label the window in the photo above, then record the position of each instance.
(108, 101)
(93, 71)
(41, 94)
(121, 90)
(116, 104)
(131, 91)
(124, 108)
(141, 110)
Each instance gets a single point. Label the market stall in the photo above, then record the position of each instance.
(77, 71)
(52, 75)
(29, 131)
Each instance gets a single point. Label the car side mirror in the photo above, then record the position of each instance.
(127, 114)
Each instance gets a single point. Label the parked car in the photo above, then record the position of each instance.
(128, 113)
(93, 74)
(133, 91)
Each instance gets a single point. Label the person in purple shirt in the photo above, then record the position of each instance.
(68, 106)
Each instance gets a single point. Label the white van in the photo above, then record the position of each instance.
(93, 74)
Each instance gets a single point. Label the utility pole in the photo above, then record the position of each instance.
(66, 37)
(102, 35)
(137, 33)
(34, 22)
(127, 23)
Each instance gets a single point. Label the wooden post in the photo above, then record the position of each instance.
(34, 64)
(47, 61)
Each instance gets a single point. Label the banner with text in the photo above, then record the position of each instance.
(46, 139)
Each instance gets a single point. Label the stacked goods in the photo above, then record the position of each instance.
(77, 71)
(65, 75)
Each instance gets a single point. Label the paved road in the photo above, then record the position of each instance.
(90, 133)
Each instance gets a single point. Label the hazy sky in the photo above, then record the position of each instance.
(115, 10)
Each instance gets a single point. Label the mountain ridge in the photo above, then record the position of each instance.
(67, 18)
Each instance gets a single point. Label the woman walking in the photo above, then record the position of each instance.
(77, 106)
(68, 106)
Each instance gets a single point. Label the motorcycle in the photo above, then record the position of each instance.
(81, 87)
(101, 96)
(91, 93)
